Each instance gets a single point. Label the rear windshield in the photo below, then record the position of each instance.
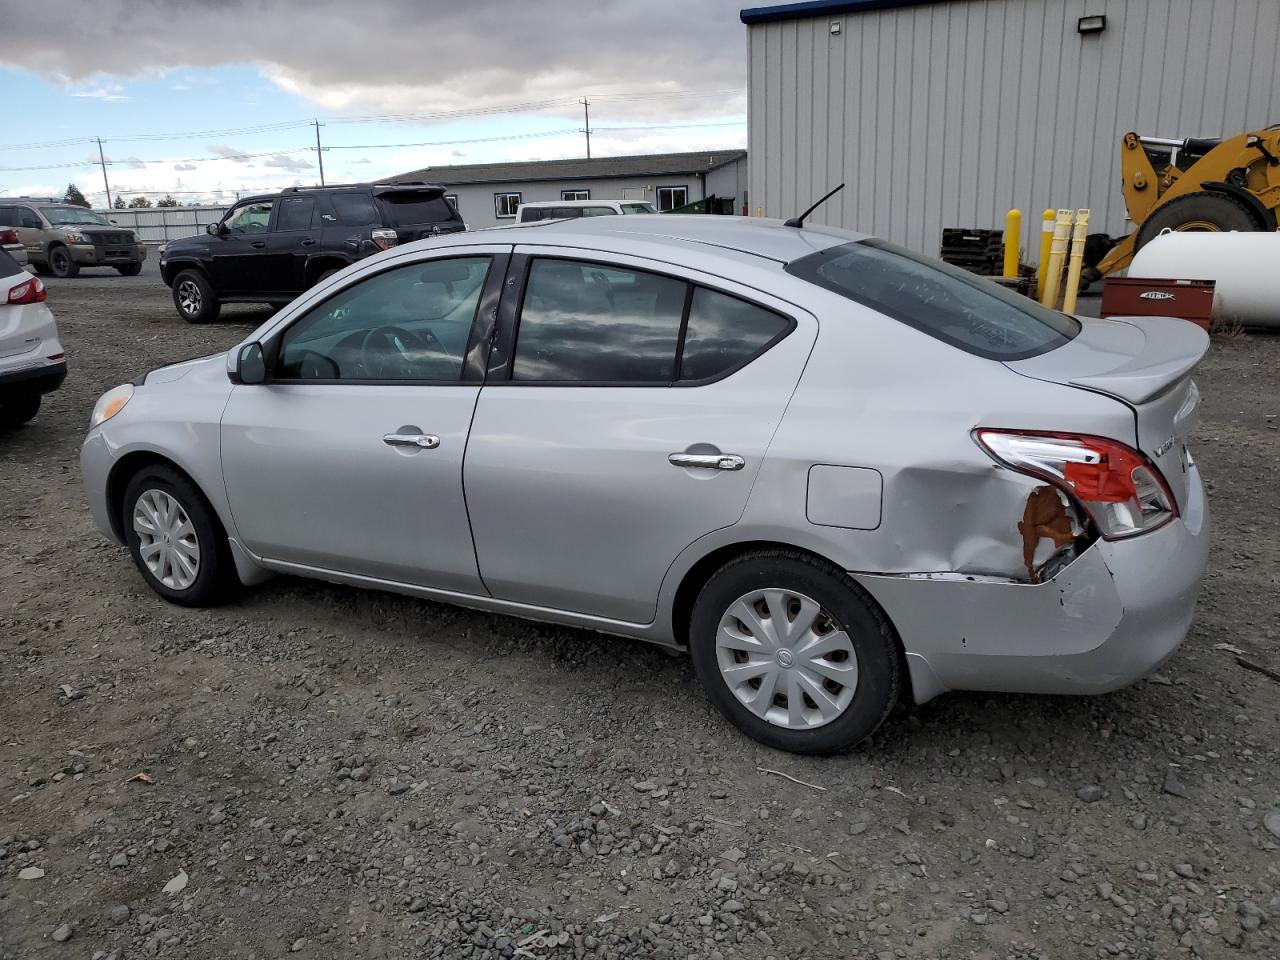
(953, 305)
(408, 208)
(8, 266)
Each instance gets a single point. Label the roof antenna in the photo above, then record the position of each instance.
(799, 221)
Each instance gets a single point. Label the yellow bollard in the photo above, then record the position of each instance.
(1057, 252)
(1046, 241)
(1012, 242)
(759, 211)
(1076, 263)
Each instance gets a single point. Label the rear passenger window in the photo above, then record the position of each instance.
(725, 332)
(583, 322)
(354, 209)
(295, 213)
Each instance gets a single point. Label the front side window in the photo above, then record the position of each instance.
(354, 209)
(72, 215)
(724, 333)
(585, 322)
(575, 194)
(296, 213)
(671, 197)
(409, 323)
(505, 205)
(251, 218)
(950, 304)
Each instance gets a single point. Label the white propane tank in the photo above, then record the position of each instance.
(1245, 268)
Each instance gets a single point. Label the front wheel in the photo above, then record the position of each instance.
(18, 410)
(175, 538)
(794, 653)
(61, 264)
(130, 270)
(194, 297)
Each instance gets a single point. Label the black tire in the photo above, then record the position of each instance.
(43, 269)
(1210, 212)
(16, 411)
(850, 608)
(130, 270)
(61, 264)
(202, 304)
(215, 570)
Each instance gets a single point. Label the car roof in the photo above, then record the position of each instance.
(578, 203)
(755, 236)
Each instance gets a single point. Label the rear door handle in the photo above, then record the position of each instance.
(424, 440)
(708, 461)
(306, 243)
(258, 244)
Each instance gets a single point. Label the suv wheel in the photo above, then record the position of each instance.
(175, 538)
(43, 269)
(61, 264)
(194, 297)
(130, 270)
(794, 653)
(18, 410)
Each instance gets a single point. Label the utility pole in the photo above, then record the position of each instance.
(586, 116)
(103, 160)
(319, 149)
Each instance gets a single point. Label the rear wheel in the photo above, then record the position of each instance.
(61, 264)
(130, 270)
(175, 538)
(194, 297)
(794, 653)
(1202, 212)
(16, 411)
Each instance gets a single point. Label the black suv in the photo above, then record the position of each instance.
(268, 249)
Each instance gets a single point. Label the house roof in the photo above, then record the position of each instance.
(597, 168)
(819, 8)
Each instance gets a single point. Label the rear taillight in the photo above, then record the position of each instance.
(30, 292)
(8, 236)
(385, 239)
(1121, 489)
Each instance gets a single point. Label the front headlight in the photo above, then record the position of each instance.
(110, 403)
(72, 237)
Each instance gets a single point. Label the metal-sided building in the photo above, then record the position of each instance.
(947, 113)
(487, 194)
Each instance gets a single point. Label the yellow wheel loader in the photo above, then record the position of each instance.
(1209, 185)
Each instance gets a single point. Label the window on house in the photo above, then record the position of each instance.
(671, 197)
(453, 201)
(575, 194)
(505, 205)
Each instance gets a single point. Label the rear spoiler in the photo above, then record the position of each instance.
(432, 189)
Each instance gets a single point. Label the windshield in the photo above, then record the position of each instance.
(638, 208)
(960, 308)
(62, 215)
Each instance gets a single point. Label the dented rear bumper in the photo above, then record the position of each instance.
(1109, 618)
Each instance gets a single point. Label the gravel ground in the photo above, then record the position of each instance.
(336, 773)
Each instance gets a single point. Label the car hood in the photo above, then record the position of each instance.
(210, 368)
(185, 245)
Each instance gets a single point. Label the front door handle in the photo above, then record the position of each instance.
(258, 244)
(424, 441)
(708, 461)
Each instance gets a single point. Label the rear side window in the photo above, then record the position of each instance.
(585, 322)
(295, 213)
(354, 209)
(948, 303)
(725, 332)
(410, 207)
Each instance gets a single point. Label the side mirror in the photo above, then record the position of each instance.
(247, 365)
(213, 229)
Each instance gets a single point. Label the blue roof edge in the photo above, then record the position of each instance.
(817, 8)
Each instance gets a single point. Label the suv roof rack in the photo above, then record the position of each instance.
(40, 199)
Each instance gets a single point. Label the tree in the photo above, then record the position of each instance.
(74, 195)
(137, 202)
(167, 201)
(118, 203)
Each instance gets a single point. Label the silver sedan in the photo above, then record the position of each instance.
(836, 472)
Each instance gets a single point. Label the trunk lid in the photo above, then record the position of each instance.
(1146, 363)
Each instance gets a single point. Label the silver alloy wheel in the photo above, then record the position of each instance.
(786, 659)
(167, 539)
(189, 297)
